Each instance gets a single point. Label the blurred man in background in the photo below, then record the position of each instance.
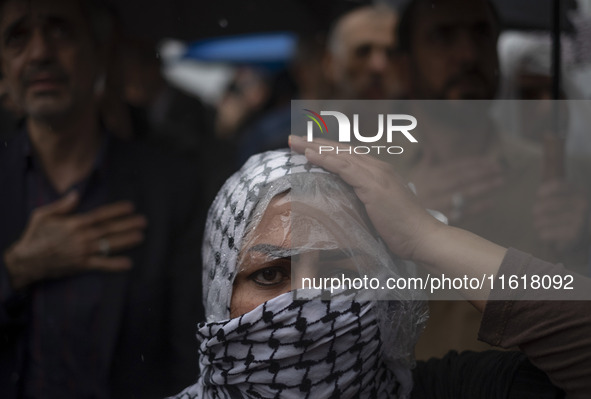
(481, 180)
(99, 263)
(359, 62)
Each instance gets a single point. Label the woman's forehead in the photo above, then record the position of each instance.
(274, 228)
(297, 227)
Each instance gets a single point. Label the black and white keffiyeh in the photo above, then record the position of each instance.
(290, 347)
(260, 179)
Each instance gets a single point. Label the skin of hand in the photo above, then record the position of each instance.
(561, 215)
(380, 190)
(473, 178)
(402, 222)
(58, 243)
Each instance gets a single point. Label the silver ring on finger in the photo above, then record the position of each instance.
(104, 247)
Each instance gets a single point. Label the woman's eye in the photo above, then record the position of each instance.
(269, 276)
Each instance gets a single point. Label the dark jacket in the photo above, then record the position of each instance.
(150, 314)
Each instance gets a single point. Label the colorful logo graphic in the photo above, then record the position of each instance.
(388, 126)
(315, 117)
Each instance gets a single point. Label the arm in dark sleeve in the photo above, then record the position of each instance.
(474, 375)
(555, 335)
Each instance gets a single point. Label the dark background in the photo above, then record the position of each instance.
(198, 19)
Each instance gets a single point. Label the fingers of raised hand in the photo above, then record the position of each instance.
(355, 169)
(391, 206)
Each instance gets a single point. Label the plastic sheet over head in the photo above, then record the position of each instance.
(327, 235)
(232, 214)
(334, 248)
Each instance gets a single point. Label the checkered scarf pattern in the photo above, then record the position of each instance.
(292, 348)
(231, 216)
(286, 347)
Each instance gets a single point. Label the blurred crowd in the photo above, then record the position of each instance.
(518, 184)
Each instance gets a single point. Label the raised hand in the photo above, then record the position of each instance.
(393, 209)
(403, 223)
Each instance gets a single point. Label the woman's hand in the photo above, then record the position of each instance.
(405, 226)
(392, 207)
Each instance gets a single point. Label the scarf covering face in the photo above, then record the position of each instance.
(287, 347)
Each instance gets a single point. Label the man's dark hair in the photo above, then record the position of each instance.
(407, 22)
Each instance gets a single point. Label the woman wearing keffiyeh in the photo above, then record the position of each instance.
(261, 341)
(280, 219)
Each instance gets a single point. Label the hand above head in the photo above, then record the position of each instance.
(402, 222)
(58, 243)
(391, 206)
(561, 215)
